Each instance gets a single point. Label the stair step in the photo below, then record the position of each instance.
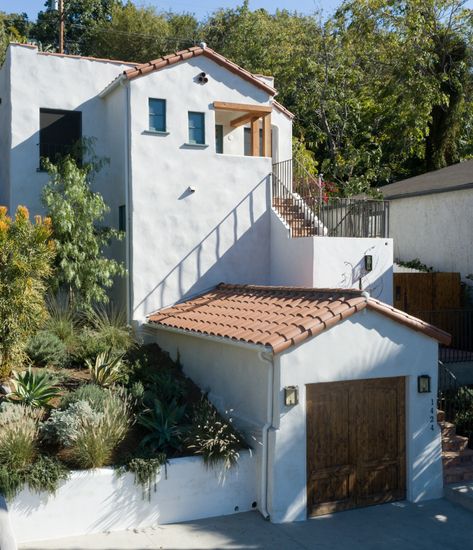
(458, 474)
(457, 458)
(448, 429)
(456, 443)
(460, 493)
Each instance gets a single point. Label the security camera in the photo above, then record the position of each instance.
(202, 78)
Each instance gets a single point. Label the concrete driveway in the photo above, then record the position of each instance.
(433, 525)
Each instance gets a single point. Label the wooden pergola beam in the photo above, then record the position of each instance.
(255, 137)
(244, 119)
(243, 107)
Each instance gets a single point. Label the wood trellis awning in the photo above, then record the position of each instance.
(251, 114)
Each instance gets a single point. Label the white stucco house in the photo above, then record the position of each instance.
(191, 139)
(437, 206)
(328, 385)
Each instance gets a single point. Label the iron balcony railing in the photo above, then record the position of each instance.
(459, 323)
(301, 200)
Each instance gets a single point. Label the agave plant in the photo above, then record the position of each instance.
(165, 424)
(33, 388)
(107, 369)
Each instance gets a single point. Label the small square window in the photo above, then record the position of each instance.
(157, 115)
(219, 138)
(196, 128)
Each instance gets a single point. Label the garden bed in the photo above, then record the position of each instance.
(103, 500)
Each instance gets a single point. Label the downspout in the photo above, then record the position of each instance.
(267, 358)
(128, 227)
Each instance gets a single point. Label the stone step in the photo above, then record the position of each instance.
(460, 493)
(440, 416)
(457, 458)
(456, 443)
(458, 474)
(448, 429)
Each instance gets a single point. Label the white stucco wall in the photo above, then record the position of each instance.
(184, 243)
(367, 345)
(436, 229)
(99, 500)
(331, 262)
(5, 136)
(49, 81)
(282, 136)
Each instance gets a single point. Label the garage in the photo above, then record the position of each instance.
(355, 444)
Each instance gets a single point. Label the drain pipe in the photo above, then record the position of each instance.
(267, 358)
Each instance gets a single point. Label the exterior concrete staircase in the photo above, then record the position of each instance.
(456, 456)
(293, 213)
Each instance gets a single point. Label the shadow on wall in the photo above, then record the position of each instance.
(228, 253)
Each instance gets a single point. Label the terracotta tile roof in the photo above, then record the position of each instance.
(283, 109)
(195, 51)
(277, 317)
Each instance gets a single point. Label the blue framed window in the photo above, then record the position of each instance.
(157, 115)
(219, 138)
(196, 128)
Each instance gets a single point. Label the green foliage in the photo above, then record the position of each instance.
(145, 471)
(63, 426)
(26, 255)
(82, 270)
(108, 329)
(416, 264)
(165, 424)
(33, 388)
(212, 437)
(45, 474)
(18, 435)
(95, 442)
(107, 369)
(92, 394)
(45, 348)
(63, 321)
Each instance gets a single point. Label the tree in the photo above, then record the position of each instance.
(26, 255)
(81, 269)
(14, 27)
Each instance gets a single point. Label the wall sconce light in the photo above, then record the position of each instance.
(291, 396)
(423, 383)
(368, 263)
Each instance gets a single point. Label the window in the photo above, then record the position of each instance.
(219, 138)
(157, 115)
(122, 218)
(247, 144)
(196, 128)
(60, 133)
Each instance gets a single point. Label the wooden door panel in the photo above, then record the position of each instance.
(356, 444)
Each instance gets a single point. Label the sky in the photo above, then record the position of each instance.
(200, 7)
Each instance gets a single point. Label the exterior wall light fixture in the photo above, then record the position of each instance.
(291, 396)
(423, 383)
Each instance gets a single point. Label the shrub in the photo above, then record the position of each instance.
(107, 369)
(34, 389)
(26, 255)
(45, 348)
(165, 385)
(63, 321)
(94, 395)
(213, 438)
(109, 328)
(94, 443)
(165, 423)
(45, 474)
(18, 435)
(90, 435)
(145, 471)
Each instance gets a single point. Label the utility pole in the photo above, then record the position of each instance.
(61, 26)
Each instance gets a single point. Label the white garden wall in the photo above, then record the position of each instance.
(434, 228)
(99, 500)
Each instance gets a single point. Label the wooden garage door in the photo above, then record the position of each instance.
(355, 444)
